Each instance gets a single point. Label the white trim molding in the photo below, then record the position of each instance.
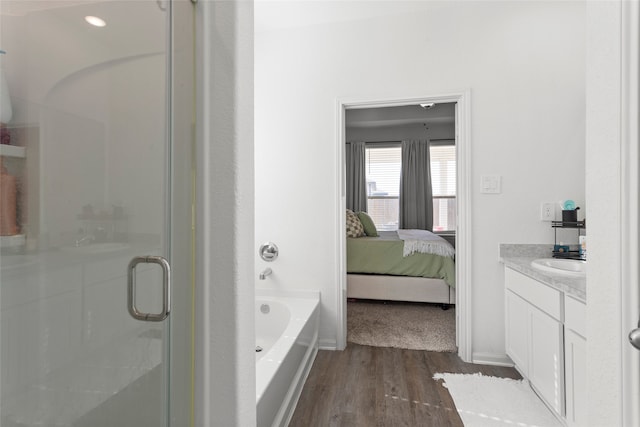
(606, 182)
(630, 36)
(464, 254)
(492, 359)
(340, 220)
(464, 327)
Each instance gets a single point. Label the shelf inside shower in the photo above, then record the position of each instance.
(13, 151)
(12, 241)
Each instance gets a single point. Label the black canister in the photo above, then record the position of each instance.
(570, 215)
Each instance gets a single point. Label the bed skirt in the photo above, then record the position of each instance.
(399, 288)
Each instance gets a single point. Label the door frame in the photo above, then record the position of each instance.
(464, 327)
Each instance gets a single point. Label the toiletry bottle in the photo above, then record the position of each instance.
(583, 247)
(6, 111)
(8, 205)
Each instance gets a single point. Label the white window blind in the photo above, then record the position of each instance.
(443, 170)
(383, 171)
(383, 185)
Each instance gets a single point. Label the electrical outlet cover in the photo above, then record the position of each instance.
(548, 211)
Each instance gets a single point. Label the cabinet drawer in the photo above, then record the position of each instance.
(575, 316)
(542, 296)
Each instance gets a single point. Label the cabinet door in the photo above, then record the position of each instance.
(575, 354)
(517, 336)
(546, 363)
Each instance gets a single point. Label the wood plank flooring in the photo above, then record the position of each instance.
(378, 386)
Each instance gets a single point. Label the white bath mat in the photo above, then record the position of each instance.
(490, 401)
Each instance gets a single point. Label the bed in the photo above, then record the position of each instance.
(390, 268)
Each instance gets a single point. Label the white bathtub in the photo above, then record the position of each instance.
(287, 332)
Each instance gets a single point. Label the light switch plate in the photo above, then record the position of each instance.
(490, 184)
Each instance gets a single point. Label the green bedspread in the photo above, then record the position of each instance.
(383, 255)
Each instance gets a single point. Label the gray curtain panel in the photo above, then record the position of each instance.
(356, 176)
(416, 194)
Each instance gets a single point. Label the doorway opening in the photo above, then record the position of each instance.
(382, 125)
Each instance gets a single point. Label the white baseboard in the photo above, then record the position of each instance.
(327, 344)
(491, 359)
(494, 359)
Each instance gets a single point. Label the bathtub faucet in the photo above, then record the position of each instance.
(85, 240)
(267, 271)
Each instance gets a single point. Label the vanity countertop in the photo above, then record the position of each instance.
(520, 260)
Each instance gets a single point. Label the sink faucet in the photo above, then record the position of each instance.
(267, 271)
(85, 240)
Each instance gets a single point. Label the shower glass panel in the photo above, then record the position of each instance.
(87, 176)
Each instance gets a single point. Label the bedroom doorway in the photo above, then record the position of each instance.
(382, 125)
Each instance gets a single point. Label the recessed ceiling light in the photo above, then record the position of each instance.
(95, 21)
(427, 105)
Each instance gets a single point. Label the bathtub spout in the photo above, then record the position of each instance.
(265, 273)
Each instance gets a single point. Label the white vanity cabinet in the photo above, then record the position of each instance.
(517, 335)
(546, 340)
(575, 356)
(534, 335)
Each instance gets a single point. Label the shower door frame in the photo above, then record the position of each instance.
(174, 175)
(181, 398)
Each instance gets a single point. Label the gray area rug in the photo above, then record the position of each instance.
(412, 326)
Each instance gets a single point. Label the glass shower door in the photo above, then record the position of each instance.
(88, 170)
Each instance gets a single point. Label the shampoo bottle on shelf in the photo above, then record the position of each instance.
(582, 240)
(8, 203)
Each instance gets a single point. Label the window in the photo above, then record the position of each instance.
(383, 185)
(383, 164)
(443, 184)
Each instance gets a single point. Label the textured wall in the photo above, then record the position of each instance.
(524, 63)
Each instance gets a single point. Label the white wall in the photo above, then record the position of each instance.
(83, 99)
(111, 135)
(524, 64)
(225, 392)
(605, 160)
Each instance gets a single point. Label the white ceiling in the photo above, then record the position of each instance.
(274, 15)
(402, 115)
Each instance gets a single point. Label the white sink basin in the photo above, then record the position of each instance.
(567, 267)
(96, 248)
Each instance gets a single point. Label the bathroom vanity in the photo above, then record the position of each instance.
(545, 316)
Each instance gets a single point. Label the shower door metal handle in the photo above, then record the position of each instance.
(166, 288)
(634, 337)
